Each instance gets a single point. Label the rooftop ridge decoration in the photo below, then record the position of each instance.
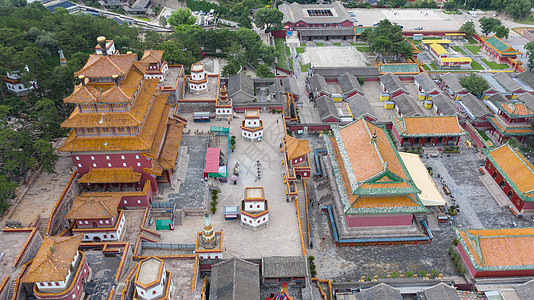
(344, 156)
(335, 168)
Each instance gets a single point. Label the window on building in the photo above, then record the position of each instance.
(79, 165)
(122, 156)
(100, 222)
(56, 283)
(102, 107)
(107, 222)
(105, 130)
(49, 283)
(94, 165)
(153, 292)
(137, 157)
(263, 219)
(89, 130)
(77, 158)
(92, 158)
(86, 237)
(138, 164)
(112, 236)
(73, 296)
(105, 236)
(125, 202)
(109, 165)
(86, 222)
(138, 201)
(124, 164)
(121, 130)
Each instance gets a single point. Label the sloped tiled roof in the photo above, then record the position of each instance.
(516, 110)
(406, 105)
(327, 108)
(349, 83)
(318, 84)
(284, 266)
(453, 82)
(235, 279)
(169, 151)
(498, 249)
(518, 171)
(392, 83)
(360, 107)
(441, 291)
(501, 47)
(53, 260)
(107, 66)
(425, 82)
(506, 82)
(505, 129)
(152, 56)
(445, 105)
(475, 107)
(295, 147)
(240, 83)
(380, 291)
(110, 175)
(428, 126)
(93, 208)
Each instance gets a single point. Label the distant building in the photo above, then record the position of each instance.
(473, 107)
(499, 50)
(153, 281)
(254, 208)
(97, 218)
(511, 87)
(209, 242)
(327, 109)
(15, 85)
(429, 131)
(156, 68)
(496, 252)
(252, 126)
(140, 7)
(514, 174)
(296, 154)
(292, 270)
(223, 108)
(426, 86)
(58, 270)
(69, 6)
(392, 87)
(110, 48)
(451, 84)
(443, 57)
(512, 120)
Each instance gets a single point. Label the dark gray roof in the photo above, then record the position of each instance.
(407, 106)
(360, 107)
(506, 82)
(528, 99)
(525, 290)
(327, 31)
(474, 106)
(445, 105)
(527, 77)
(326, 108)
(453, 82)
(318, 84)
(425, 82)
(235, 279)
(498, 98)
(295, 12)
(240, 83)
(360, 72)
(441, 291)
(284, 266)
(380, 291)
(349, 83)
(392, 83)
(290, 85)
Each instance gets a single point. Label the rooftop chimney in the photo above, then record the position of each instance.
(82, 79)
(102, 43)
(116, 79)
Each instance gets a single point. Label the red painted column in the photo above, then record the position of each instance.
(412, 140)
(457, 140)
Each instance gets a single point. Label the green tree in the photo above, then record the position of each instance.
(518, 8)
(501, 31)
(45, 155)
(181, 16)
(263, 71)
(268, 18)
(47, 120)
(387, 40)
(231, 68)
(513, 142)
(163, 21)
(244, 20)
(173, 52)
(488, 24)
(468, 28)
(530, 52)
(396, 3)
(450, 5)
(474, 84)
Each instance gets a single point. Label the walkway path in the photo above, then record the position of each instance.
(474, 57)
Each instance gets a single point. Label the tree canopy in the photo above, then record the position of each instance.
(181, 16)
(468, 28)
(386, 39)
(268, 18)
(488, 24)
(474, 84)
(530, 53)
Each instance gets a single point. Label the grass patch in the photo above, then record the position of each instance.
(458, 49)
(300, 50)
(426, 67)
(363, 48)
(483, 135)
(304, 68)
(471, 40)
(476, 66)
(473, 49)
(281, 50)
(528, 21)
(144, 19)
(336, 44)
(495, 66)
(319, 44)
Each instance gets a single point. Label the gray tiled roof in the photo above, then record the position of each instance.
(359, 106)
(441, 291)
(329, 31)
(498, 98)
(380, 291)
(392, 83)
(235, 279)
(240, 82)
(284, 266)
(349, 83)
(326, 108)
(453, 82)
(331, 72)
(445, 105)
(527, 77)
(318, 84)
(474, 106)
(407, 106)
(296, 12)
(425, 82)
(528, 99)
(506, 82)
(525, 290)
(290, 85)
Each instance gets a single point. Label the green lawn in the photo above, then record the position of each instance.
(476, 66)
(458, 49)
(495, 66)
(300, 50)
(363, 48)
(473, 49)
(471, 40)
(144, 19)
(336, 44)
(527, 21)
(434, 66)
(426, 67)
(319, 44)
(304, 68)
(281, 50)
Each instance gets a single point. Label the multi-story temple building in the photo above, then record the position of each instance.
(122, 137)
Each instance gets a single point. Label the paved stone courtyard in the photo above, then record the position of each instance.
(477, 209)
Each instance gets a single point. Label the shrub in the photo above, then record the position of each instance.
(311, 258)
(213, 203)
(408, 274)
(213, 209)
(451, 249)
(435, 272)
(214, 197)
(395, 275)
(214, 192)
(422, 273)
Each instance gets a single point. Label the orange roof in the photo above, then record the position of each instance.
(53, 260)
(152, 56)
(368, 159)
(94, 207)
(110, 175)
(437, 125)
(516, 166)
(388, 201)
(143, 192)
(133, 117)
(107, 66)
(157, 124)
(499, 247)
(169, 151)
(516, 109)
(295, 147)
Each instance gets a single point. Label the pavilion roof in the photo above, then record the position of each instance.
(295, 147)
(498, 249)
(516, 169)
(94, 207)
(516, 110)
(110, 175)
(498, 45)
(422, 126)
(152, 56)
(53, 259)
(100, 66)
(510, 130)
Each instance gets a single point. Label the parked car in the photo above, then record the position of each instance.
(354, 19)
(447, 19)
(418, 28)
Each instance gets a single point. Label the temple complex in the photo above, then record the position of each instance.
(122, 137)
